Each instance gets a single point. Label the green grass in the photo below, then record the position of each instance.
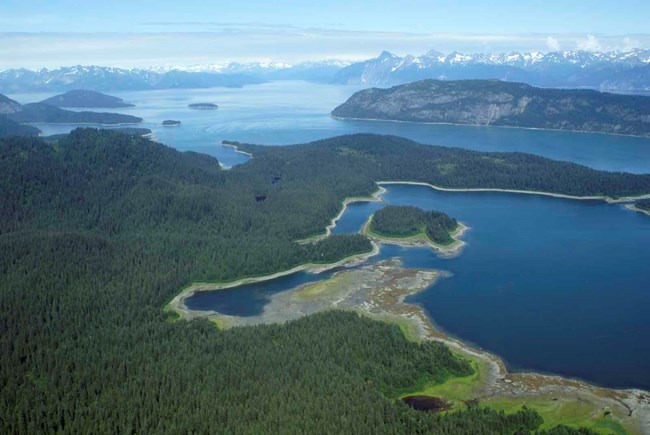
(573, 413)
(457, 389)
(171, 316)
(408, 328)
(570, 412)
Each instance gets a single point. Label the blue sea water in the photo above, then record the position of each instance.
(289, 112)
(551, 285)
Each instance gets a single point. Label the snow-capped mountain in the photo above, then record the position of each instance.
(611, 71)
(99, 78)
(601, 70)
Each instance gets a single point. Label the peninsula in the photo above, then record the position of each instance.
(498, 103)
(116, 224)
(46, 113)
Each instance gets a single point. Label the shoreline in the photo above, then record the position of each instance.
(633, 403)
(607, 199)
(454, 249)
(344, 118)
(637, 209)
(236, 148)
(492, 384)
(373, 197)
(177, 303)
(82, 123)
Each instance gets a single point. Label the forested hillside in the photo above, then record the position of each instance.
(494, 102)
(362, 158)
(9, 127)
(100, 229)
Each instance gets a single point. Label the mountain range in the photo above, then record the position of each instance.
(99, 78)
(610, 71)
(616, 71)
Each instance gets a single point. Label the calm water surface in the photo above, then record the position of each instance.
(551, 285)
(287, 112)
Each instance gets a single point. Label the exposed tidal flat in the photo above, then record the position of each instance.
(551, 285)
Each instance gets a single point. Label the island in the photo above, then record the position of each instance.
(86, 98)
(505, 104)
(401, 222)
(170, 123)
(106, 229)
(203, 106)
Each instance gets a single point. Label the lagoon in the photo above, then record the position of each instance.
(551, 285)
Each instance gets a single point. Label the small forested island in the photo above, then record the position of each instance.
(409, 221)
(203, 106)
(46, 113)
(508, 104)
(86, 98)
(170, 123)
(102, 229)
(9, 127)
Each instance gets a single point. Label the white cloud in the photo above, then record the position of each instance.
(630, 43)
(249, 43)
(591, 43)
(552, 43)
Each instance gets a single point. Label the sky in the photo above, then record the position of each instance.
(141, 33)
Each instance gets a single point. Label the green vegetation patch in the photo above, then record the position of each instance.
(408, 221)
(100, 229)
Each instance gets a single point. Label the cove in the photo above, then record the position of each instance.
(551, 285)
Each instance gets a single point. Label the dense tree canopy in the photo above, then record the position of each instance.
(405, 221)
(9, 127)
(100, 229)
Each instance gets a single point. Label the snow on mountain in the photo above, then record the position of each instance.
(600, 70)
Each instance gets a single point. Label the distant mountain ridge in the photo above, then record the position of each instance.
(86, 98)
(100, 78)
(616, 71)
(610, 71)
(46, 113)
(493, 102)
